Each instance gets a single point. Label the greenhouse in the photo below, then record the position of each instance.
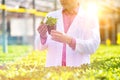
(20, 22)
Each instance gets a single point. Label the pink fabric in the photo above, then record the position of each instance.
(64, 55)
(67, 19)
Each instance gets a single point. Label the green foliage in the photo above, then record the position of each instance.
(51, 21)
(105, 65)
(14, 52)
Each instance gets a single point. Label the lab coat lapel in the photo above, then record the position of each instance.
(75, 21)
(60, 24)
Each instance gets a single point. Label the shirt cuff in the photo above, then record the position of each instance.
(73, 43)
(43, 39)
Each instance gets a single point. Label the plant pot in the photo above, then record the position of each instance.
(51, 28)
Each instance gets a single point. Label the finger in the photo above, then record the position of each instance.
(44, 25)
(54, 34)
(54, 30)
(57, 40)
(57, 34)
(54, 37)
(43, 28)
(39, 28)
(43, 32)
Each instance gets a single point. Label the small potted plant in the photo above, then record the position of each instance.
(51, 23)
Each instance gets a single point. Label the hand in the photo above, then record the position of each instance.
(42, 29)
(60, 37)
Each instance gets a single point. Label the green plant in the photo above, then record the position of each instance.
(105, 65)
(51, 21)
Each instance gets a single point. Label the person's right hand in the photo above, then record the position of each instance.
(42, 29)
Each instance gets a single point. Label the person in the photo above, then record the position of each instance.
(76, 36)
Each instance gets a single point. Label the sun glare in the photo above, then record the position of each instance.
(92, 8)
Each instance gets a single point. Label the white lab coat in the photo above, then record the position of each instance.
(84, 28)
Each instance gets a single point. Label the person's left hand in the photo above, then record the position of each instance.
(60, 37)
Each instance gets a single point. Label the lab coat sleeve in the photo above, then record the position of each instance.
(91, 40)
